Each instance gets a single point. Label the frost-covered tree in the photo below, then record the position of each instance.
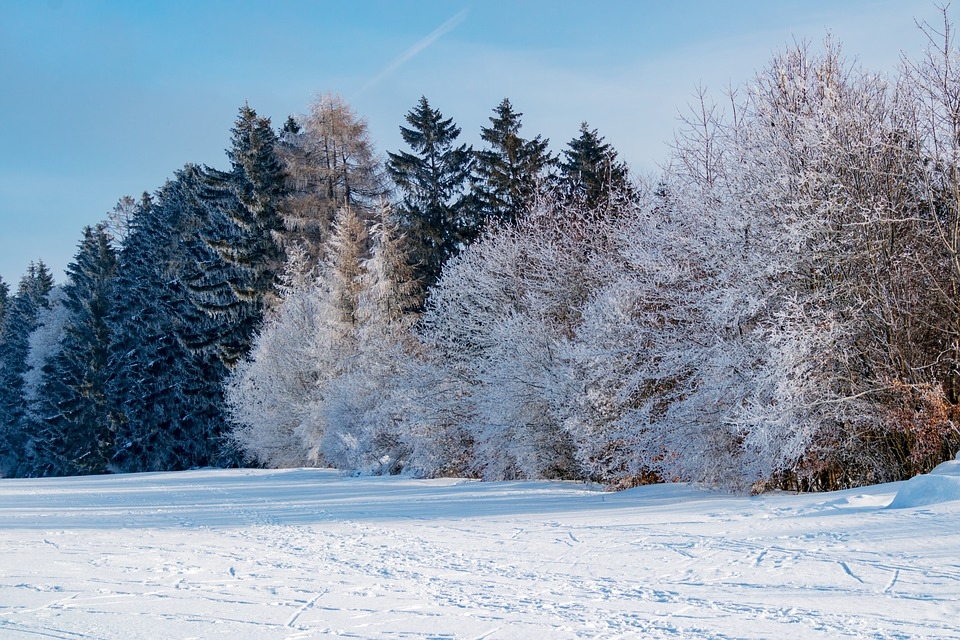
(70, 410)
(270, 393)
(119, 220)
(275, 393)
(436, 209)
(165, 396)
(4, 299)
(19, 321)
(775, 292)
(498, 320)
(360, 406)
(43, 345)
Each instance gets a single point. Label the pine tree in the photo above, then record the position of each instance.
(436, 209)
(591, 172)
(19, 320)
(510, 170)
(71, 414)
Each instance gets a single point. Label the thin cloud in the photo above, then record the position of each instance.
(407, 55)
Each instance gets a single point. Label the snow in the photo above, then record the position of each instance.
(940, 485)
(246, 554)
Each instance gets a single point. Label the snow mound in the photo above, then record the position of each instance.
(940, 485)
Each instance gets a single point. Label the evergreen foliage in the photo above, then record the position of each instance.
(241, 221)
(70, 414)
(510, 170)
(4, 299)
(436, 209)
(590, 171)
(165, 398)
(19, 321)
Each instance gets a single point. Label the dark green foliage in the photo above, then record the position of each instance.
(19, 321)
(4, 297)
(435, 211)
(240, 220)
(166, 399)
(510, 171)
(290, 127)
(590, 171)
(70, 420)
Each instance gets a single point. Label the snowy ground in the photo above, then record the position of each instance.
(246, 554)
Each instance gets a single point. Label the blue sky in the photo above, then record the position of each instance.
(100, 99)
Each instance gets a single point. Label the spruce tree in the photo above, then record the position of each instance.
(4, 296)
(242, 224)
(19, 320)
(591, 172)
(509, 171)
(71, 415)
(165, 398)
(436, 210)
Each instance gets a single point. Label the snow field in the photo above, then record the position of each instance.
(247, 554)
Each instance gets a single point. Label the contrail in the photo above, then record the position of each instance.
(435, 35)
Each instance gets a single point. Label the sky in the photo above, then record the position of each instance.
(101, 99)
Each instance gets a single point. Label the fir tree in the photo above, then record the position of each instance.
(510, 170)
(435, 209)
(290, 128)
(591, 172)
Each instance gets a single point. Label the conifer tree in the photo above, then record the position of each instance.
(71, 416)
(362, 407)
(590, 170)
(392, 295)
(510, 170)
(436, 209)
(4, 296)
(165, 398)
(330, 164)
(242, 224)
(19, 320)
(349, 246)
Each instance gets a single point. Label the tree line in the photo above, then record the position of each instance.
(124, 367)
(778, 308)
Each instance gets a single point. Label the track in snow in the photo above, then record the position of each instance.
(311, 554)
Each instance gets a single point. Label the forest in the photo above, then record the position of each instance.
(777, 308)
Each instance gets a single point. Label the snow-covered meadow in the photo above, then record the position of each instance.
(313, 554)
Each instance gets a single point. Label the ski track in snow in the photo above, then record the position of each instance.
(299, 554)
